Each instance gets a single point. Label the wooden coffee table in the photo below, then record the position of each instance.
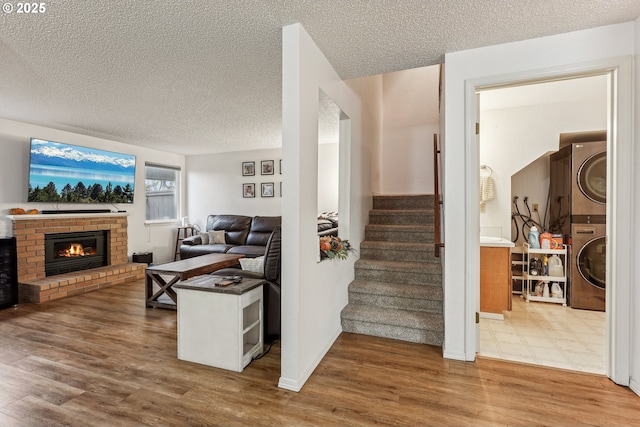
(183, 269)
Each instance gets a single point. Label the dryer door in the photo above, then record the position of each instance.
(591, 262)
(592, 177)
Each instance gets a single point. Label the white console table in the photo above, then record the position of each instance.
(220, 326)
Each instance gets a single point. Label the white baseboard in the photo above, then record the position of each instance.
(494, 316)
(296, 385)
(289, 384)
(634, 386)
(454, 355)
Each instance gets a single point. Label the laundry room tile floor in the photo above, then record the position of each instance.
(547, 334)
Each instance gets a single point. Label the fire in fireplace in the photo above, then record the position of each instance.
(76, 249)
(66, 252)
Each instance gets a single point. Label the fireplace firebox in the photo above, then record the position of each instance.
(66, 252)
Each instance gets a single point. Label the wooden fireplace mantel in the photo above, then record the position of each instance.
(27, 217)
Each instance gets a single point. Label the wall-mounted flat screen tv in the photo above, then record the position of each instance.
(70, 173)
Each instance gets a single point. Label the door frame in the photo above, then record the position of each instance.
(619, 190)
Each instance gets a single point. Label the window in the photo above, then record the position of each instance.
(162, 188)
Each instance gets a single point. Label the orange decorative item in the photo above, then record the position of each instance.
(33, 212)
(334, 247)
(325, 244)
(16, 211)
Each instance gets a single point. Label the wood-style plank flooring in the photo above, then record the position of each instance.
(103, 359)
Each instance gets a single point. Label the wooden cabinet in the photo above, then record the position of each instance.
(495, 279)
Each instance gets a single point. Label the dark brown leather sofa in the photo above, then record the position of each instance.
(244, 235)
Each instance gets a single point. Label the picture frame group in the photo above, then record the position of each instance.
(267, 167)
(267, 189)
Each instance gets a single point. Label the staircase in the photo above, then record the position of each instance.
(397, 291)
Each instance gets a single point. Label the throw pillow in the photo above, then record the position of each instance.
(216, 237)
(255, 265)
(204, 237)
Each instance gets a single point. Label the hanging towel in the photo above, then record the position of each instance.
(487, 189)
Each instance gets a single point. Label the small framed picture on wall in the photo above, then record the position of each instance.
(248, 168)
(267, 167)
(248, 190)
(267, 189)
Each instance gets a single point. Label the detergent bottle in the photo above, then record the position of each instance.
(555, 266)
(534, 238)
(545, 240)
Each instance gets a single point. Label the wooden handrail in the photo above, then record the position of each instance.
(436, 196)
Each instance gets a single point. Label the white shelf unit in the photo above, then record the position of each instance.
(220, 329)
(530, 280)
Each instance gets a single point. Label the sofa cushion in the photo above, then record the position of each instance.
(255, 265)
(261, 228)
(235, 226)
(250, 251)
(217, 237)
(197, 250)
(193, 240)
(204, 238)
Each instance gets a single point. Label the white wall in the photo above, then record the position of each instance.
(536, 58)
(370, 91)
(635, 296)
(328, 177)
(14, 174)
(511, 139)
(410, 119)
(314, 293)
(214, 185)
(532, 181)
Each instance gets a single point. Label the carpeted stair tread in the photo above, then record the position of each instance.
(402, 266)
(397, 251)
(396, 295)
(399, 233)
(400, 211)
(401, 290)
(401, 230)
(428, 228)
(416, 335)
(404, 201)
(385, 316)
(408, 217)
(397, 246)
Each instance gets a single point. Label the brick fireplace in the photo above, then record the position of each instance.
(35, 286)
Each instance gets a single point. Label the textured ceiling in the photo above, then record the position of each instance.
(205, 76)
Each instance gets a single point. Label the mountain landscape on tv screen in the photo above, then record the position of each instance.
(68, 173)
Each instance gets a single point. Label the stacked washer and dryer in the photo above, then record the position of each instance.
(577, 209)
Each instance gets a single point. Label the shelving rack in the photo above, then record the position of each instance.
(518, 266)
(531, 280)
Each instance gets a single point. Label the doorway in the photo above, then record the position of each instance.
(520, 127)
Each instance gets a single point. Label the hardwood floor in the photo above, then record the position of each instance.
(103, 359)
